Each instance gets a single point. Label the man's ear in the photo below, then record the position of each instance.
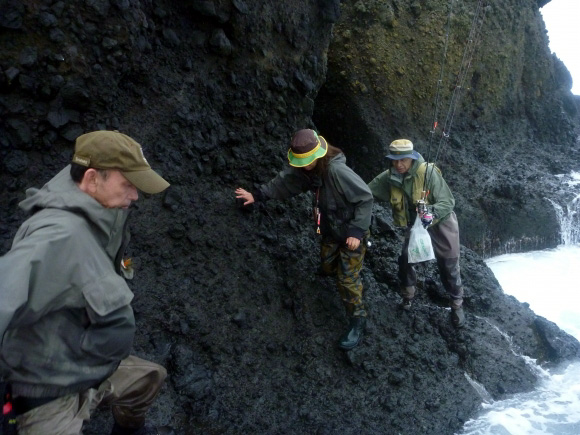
(89, 182)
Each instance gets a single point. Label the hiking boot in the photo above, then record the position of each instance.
(458, 317)
(353, 336)
(406, 304)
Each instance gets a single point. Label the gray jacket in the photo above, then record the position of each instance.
(65, 317)
(344, 199)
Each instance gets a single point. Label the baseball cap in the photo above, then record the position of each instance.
(106, 149)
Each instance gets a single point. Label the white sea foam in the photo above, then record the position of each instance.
(553, 408)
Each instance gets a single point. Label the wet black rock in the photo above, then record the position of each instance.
(11, 14)
(220, 42)
(22, 131)
(11, 73)
(58, 117)
(16, 162)
(71, 132)
(47, 19)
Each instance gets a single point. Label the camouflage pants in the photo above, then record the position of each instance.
(337, 260)
(445, 240)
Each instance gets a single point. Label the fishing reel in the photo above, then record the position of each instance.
(425, 214)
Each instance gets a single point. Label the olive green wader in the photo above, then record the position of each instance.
(445, 240)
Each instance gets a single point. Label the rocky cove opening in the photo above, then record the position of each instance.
(336, 118)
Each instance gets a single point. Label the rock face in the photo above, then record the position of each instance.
(227, 298)
(504, 101)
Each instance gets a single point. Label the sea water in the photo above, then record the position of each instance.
(549, 281)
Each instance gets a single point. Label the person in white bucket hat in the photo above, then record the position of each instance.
(403, 185)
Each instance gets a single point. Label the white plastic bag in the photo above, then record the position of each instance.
(420, 248)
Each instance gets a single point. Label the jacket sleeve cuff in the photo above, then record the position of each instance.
(355, 232)
(259, 196)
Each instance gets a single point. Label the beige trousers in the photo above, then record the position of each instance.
(130, 390)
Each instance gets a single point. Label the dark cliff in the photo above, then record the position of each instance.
(228, 299)
(514, 126)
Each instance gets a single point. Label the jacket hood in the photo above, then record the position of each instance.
(339, 158)
(62, 193)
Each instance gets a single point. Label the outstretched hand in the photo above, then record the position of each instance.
(245, 195)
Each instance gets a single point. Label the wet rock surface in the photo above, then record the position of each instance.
(228, 298)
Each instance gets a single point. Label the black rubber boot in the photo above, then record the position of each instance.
(458, 317)
(354, 335)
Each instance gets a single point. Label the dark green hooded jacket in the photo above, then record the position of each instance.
(65, 315)
(345, 200)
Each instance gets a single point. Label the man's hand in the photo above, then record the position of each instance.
(352, 243)
(245, 195)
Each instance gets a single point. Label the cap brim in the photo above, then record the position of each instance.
(147, 181)
(414, 155)
(301, 162)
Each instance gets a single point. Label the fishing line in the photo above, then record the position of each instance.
(468, 54)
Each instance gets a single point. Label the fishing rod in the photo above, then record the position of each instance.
(468, 54)
(436, 104)
(422, 203)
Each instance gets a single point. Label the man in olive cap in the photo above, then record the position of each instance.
(408, 181)
(66, 322)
